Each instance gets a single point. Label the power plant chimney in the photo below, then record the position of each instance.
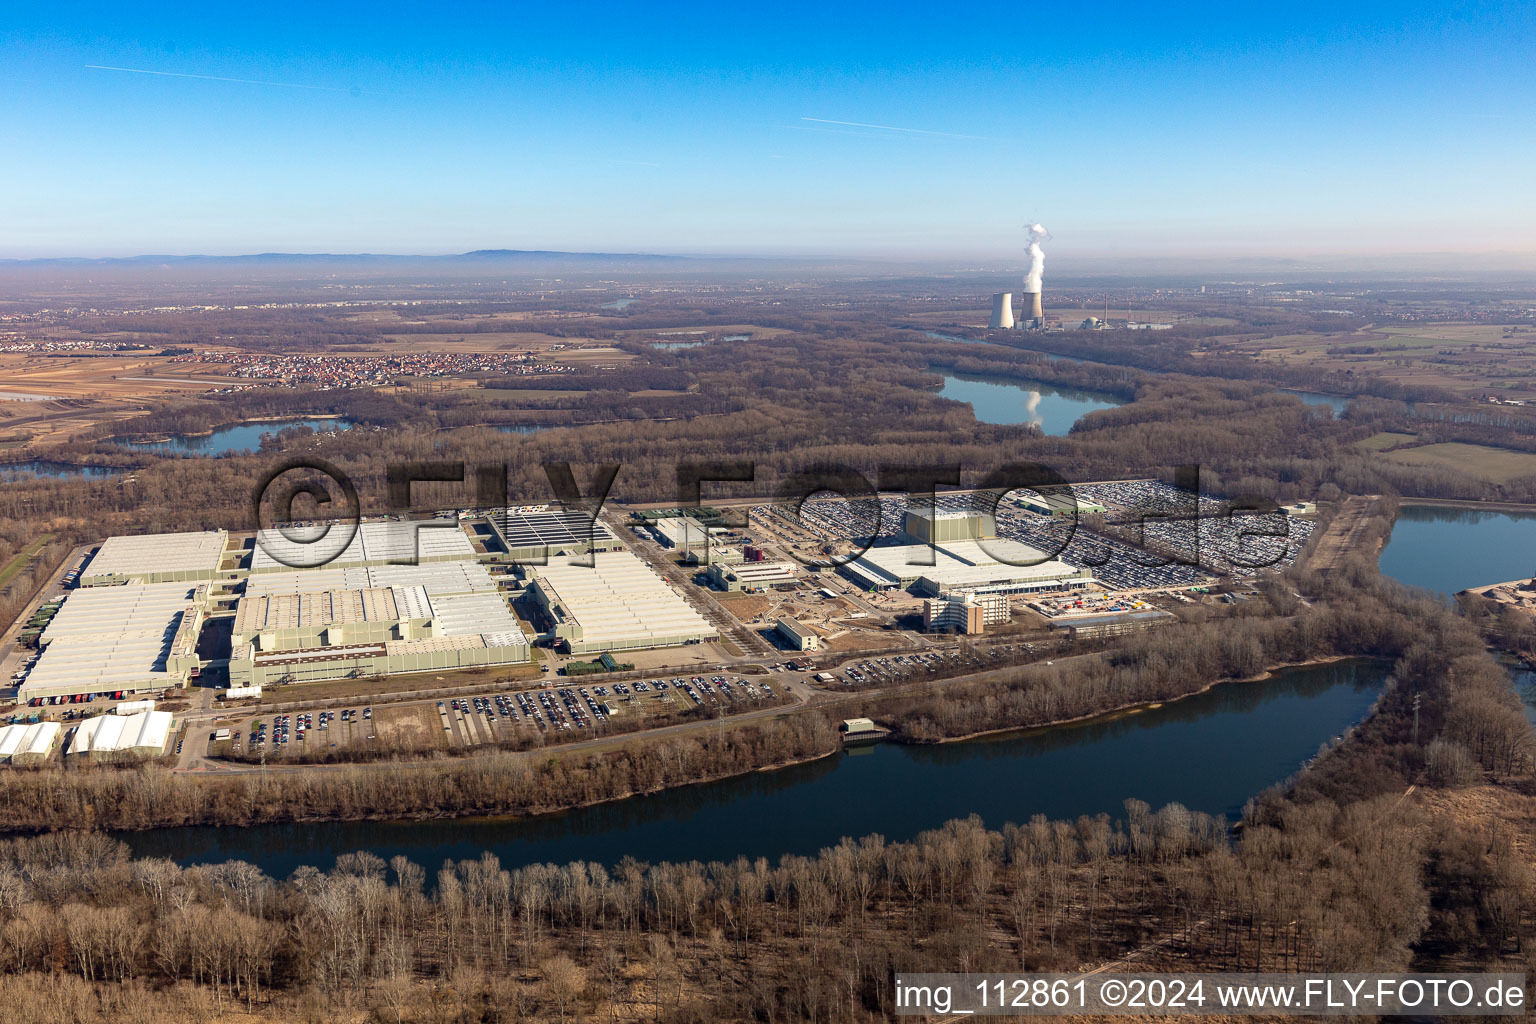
(1032, 306)
(1002, 312)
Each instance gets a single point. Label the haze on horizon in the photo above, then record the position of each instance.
(1209, 131)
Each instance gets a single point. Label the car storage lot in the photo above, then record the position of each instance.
(583, 706)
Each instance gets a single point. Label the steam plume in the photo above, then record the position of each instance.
(1036, 259)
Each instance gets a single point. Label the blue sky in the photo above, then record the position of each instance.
(1286, 128)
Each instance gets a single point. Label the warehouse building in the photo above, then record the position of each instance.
(122, 738)
(621, 604)
(683, 533)
(401, 542)
(301, 626)
(37, 744)
(332, 617)
(10, 740)
(138, 637)
(797, 635)
(1093, 627)
(250, 667)
(1057, 503)
(750, 575)
(156, 558)
(536, 536)
(998, 566)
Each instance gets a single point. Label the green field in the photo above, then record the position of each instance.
(13, 568)
(1495, 465)
(1386, 439)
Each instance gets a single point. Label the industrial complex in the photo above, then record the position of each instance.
(531, 590)
(623, 605)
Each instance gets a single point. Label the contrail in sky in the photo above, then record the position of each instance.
(215, 78)
(892, 128)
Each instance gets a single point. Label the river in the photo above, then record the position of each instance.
(1211, 752)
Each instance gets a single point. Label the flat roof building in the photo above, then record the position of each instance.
(136, 637)
(683, 533)
(397, 542)
(799, 636)
(301, 626)
(621, 604)
(1058, 503)
(965, 612)
(534, 536)
(965, 566)
(331, 617)
(751, 575)
(156, 558)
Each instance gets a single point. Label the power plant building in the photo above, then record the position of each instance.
(621, 604)
(1002, 312)
(156, 558)
(1032, 308)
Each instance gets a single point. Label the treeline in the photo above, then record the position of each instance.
(1367, 886)
(491, 783)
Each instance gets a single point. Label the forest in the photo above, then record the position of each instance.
(1337, 870)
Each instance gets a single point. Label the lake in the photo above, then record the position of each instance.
(1004, 401)
(1451, 549)
(1338, 403)
(238, 437)
(1211, 752)
(46, 467)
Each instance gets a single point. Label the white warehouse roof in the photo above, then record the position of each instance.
(622, 601)
(112, 638)
(192, 555)
(145, 732)
(958, 564)
(404, 541)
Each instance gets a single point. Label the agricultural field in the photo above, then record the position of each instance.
(1495, 465)
(1473, 358)
(1386, 439)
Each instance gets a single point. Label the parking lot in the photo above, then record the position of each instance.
(488, 719)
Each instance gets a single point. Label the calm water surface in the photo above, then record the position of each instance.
(1211, 753)
(1338, 403)
(999, 400)
(45, 467)
(241, 437)
(1451, 549)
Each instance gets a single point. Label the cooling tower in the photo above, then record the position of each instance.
(1002, 312)
(1032, 310)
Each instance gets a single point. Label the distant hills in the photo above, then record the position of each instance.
(311, 259)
